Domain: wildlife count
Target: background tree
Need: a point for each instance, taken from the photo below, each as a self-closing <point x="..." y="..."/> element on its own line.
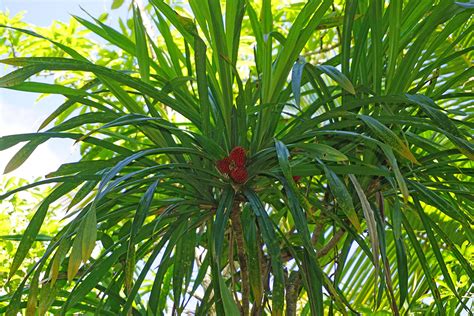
<point x="232" y="165"/>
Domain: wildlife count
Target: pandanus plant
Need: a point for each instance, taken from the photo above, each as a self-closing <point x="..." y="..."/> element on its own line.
<point x="233" y="165"/>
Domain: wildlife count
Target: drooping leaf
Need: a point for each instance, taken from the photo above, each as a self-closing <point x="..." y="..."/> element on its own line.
<point x="388" y="137"/>
<point x="343" y="198"/>
<point x="371" y="223"/>
<point x="18" y="76"/>
<point x="444" y="122"/>
<point x="34" y="226"/>
<point x="296" y="74"/>
<point x="337" y="76"/>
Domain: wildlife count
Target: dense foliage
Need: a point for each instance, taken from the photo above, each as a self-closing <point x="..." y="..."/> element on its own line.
<point x="256" y="158"/>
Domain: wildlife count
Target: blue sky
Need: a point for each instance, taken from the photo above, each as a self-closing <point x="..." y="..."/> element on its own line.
<point x="19" y="111"/>
<point x="43" y="12"/>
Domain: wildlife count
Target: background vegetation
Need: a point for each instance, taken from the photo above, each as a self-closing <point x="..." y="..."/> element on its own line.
<point x="356" y="120"/>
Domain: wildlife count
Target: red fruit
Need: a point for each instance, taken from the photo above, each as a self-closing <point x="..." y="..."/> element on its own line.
<point x="296" y="178"/>
<point x="238" y="156"/>
<point x="223" y="165"/>
<point x="239" y="175"/>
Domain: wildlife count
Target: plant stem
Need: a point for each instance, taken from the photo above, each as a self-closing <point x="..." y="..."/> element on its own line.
<point x="292" y="292"/>
<point x="259" y="300"/>
<point x="244" y="272"/>
<point x="232" y="267"/>
<point x="317" y="230"/>
<point x="331" y="244"/>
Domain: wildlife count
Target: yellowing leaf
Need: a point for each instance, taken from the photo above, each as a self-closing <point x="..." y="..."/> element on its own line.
<point x="89" y="235"/>
<point x="74" y="259"/>
<point x="388" y="137"/>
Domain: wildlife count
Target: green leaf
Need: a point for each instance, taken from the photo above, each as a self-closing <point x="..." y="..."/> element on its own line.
<point x="424" y="264"/>
<point x="254" y="256"/>
<point x="71" y="102"/>
<point x="395" y="16"/>
<point x="47" y="297"/>
<point x="34" y="226"/>
<point x="283" y="159"/>
<point x="437" y="251"/>
<point x="322" y="151"/>
<point x="141" y="277"/>
<point x="302" y="28"/>
<point x="67" y="49"/>
<point x="402" y="260"/>
<point x="466" y="5"/>
<point x="156" y="290"/>
<point x="222" y="216"/>
<point x="342" y="196"/>
<point x="388" y="137"/>
<point x="109" y="34"/>
<point x="313" y="275"/>
<point x="296" y="74"/>
<point x="402" y="270"/>
<point x="75" y="257"/>
<point x="116" y="4"/>
<point x="398" y="175"/>
<point x="89" y="235"/>
<point x="444" y="122"/>
<point x="39" y="237"/>
<point x="376" y="28"/>
<point x="22" y="155"/>
<point x="269" y="237"/>
<point x="97" y="272"/>
<point x="203" y="89"/>
<point x="53" y="63"/>
<point x="337" y="76"/>
<point x="142" y="211"/>
<point x="58" y="258"/>
<point x="18" y="76"/>
<point x="33" y="295"/>
<point x="141" y="45"/>
<point x="371" y="223"/>
<point x="39" y="87"/>
<point x="165" y="127"/>
<point x="453" y="247"/>
<point x="230" y="307"/>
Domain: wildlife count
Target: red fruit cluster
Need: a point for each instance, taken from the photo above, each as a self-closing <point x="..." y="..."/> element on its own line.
<point x="296" y="178"/>
<point x="234" y="165"/>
